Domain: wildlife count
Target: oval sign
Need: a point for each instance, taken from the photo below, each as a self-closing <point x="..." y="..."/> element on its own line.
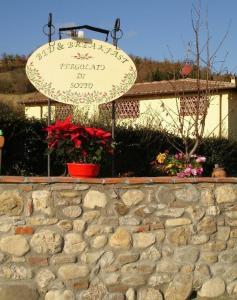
<point x="81" y="71"/>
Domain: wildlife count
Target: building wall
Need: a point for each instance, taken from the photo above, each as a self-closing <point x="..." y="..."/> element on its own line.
<point x="39" y="112"/>
<point x="221" y="119"/>
<point x="76" y="241"/>
<point x="217" y="117"/>
<point x="154" y="115"/>
<point x="232" y="120"/>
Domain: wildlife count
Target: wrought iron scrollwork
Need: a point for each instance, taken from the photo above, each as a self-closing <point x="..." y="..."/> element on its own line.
<point x="116" y="33"/>
<point x="49" y="29"/>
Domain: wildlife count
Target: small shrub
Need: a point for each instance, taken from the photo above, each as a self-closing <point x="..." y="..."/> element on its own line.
<point x="6" y="86"/>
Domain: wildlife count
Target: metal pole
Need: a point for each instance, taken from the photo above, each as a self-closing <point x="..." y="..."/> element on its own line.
<point x="113" y="135"/>
<point x="2" y="140"/>
<point x="48" y="155"/>
<point x="113" y="117"/>
<point x="113" y="113"/>
<point x="49" y="100"/>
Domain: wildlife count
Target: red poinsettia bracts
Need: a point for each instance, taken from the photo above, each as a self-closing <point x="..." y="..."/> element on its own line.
<point x="98" y="132"/>
<point x="78" y="143"/>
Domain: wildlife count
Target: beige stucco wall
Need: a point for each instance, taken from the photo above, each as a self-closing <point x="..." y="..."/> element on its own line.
<point x="39" y="112"/>
<point x="217" y="117"/>
<point x="221" y="118"/>
<point x="153" y="115"/>
<point x="232" y="120"/>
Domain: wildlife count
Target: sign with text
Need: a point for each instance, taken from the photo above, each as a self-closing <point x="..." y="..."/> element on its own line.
<point x="81" y="71"/>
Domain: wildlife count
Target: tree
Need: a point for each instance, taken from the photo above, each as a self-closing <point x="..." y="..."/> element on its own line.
<point x="190" y="126"/>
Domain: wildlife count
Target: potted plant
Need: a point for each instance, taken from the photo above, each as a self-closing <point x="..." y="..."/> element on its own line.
<point x="82" y="147"/>
<point x="179" y="165"/>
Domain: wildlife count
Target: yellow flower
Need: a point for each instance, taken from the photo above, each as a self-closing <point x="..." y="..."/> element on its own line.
<point x="169" y="166"/>
<point x="161" y="158"/>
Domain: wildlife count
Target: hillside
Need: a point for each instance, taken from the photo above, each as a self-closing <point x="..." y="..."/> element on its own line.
<point x="15" y="85"/>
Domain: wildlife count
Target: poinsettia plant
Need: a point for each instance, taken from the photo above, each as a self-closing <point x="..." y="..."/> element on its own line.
<point x="179" y="165"/>
<point x="77" y="143"/>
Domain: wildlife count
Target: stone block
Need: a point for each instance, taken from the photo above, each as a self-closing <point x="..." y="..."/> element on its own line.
<point x="11" y="203"/>
<point x="60" y="259"/>
<point x="60" y="295"/>
<point x="180" y="287"/>
<point x="72" y="271"/>
<point x="188" y="193"/>
<point x="121" y="208"/>
<point x="120" y="239"/>
<point x="37" y="261"/>
<point x="133" y="197"/>
<point x="15" y="245"/>
<point x="149" y="294"/>
<point x="179" y="236"/>
<point x="212" y="288"/>
<point x="140" y="267"/>
<point x="15" y="272"/>
<point x="133" y="280"/>
<point x="41" y="201"/>
<point x="143" y="239"/>
<point x="79" y="225"/>
<point x="95" y="291"/>
<point x="17" y="291"/>
<point x="177" y="222"/>
<point x="43" y="279"/>
<point x="41" y="221"/>
<point x="226" y="193"/>
<point x="170" y="212"/>
<point x="46" y="242"/>
<point x="81" y="284"/>
<point x="95" y="199"/>
<point x="72" y="211"/>
<point x="65" y="225"/>
<point x="186" y="254"/>
<point x="127" y="257"/>
<point x="207" y="225"/>
<point x="91" y="257"/>
<point x="99" y="241"/>
<point x="24" y="230"/>
<point x="151" y="254"/>
<point x="74" y="243"/>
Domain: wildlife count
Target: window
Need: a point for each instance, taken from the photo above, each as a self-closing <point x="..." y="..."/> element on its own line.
<point x="190" y="105"/>
<point x="124" y="109"/>
<point x="63" y="111"/>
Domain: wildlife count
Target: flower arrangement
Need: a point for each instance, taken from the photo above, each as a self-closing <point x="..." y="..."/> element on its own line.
<point x="77" y="143"/>
<point x="178" y="165"/>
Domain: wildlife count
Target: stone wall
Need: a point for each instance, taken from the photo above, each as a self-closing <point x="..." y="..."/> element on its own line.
<point x="86" y="241"/>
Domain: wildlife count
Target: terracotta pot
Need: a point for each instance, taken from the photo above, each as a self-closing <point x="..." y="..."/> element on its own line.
<point x="83" y="170"/>
<point x="218" y="172"/>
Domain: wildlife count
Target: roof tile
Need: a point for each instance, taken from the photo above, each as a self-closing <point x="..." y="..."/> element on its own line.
<point x="164" y="87"/>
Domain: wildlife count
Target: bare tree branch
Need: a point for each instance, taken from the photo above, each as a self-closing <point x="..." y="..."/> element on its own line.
<point x="191" y="126"/>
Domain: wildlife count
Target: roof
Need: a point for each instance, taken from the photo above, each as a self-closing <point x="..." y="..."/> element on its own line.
<point x="168" y="87"/>
<point x="156" y="88"/>
<point x="34" y="99"/>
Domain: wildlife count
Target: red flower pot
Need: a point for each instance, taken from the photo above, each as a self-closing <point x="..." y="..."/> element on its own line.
<point x="83" y="170"/>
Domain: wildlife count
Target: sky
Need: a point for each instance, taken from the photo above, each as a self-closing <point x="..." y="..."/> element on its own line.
<point x="155" y="29"/>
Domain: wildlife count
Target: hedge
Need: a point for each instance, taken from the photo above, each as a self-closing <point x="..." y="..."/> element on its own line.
<point x="24" y="152"/>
